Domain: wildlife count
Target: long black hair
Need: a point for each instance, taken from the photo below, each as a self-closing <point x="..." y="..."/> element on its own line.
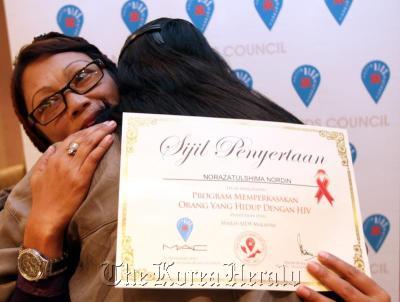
<point x="168" y="67"/>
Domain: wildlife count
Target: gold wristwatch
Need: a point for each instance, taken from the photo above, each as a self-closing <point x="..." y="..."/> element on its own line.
<point x="34" y="267"/>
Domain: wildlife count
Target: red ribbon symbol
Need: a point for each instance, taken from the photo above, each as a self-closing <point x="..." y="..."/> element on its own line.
<point x="323" y="182"/>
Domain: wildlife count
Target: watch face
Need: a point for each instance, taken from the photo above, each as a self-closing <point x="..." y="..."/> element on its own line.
<point x="30" y="265"/>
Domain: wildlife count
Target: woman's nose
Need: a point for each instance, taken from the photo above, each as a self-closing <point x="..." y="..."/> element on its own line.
<point x="76" y="103"/>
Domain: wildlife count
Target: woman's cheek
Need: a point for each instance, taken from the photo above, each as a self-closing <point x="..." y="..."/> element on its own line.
<point x="60" y="132"/>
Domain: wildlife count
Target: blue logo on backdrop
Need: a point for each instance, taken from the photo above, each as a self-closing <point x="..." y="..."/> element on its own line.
<point x="375" y="75"/>
<point x="268" y="10"/>
<point x="70" y="20"/>
<point x="339" y="9"/>
<point x="185" y="227"/>
<point x="376" y="228"/>
<point x="353" y="153"/>
<point x="200" y="12"/>
<point x="134" y="14"/>
<point x="245" y="77"/>
<point x="305" y="80"/>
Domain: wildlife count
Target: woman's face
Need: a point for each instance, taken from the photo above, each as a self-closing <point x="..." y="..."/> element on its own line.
<point x="47" y="75"/>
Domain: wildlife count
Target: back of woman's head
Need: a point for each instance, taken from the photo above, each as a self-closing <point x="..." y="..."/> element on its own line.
<point x="46" y="45"/>
<point x="168" y="67"/>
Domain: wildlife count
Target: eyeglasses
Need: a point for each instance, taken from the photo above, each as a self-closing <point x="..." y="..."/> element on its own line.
<point x="82" y="82"/>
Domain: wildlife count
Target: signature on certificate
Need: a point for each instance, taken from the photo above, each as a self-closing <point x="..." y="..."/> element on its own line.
<point x="303" y="251"/>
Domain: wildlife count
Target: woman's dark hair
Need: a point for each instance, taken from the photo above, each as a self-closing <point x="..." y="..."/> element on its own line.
<point x="46" y="45"/>
<point x="168" y="67"/>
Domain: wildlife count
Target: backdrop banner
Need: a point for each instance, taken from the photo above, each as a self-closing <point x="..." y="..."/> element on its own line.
<point x="332" y="63"/>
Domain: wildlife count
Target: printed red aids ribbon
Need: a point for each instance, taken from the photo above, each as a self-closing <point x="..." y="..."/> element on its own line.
<point x="323" y="182"/>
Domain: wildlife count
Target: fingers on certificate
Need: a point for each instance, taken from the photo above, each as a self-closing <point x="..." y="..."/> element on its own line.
<point x="344" y="279"/>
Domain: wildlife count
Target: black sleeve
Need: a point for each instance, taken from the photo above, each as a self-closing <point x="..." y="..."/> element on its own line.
<point x="52" y="289"/>
<point x="21" y="296"/>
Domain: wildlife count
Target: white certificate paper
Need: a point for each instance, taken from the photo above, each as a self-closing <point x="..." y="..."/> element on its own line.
<point x="225" y="203"/>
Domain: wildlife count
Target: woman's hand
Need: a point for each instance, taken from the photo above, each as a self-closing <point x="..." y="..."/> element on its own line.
<point x="344" y="279"/>
<point x="60" y="183"/>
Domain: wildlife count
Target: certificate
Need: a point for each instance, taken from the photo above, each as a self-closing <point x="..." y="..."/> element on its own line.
<point x="233" y="204"/>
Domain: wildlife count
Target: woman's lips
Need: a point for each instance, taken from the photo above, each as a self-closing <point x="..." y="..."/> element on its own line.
<point x="91" y="119"/>
<point x="90" y="124"/>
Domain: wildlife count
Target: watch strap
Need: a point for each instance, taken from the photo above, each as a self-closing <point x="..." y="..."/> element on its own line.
<point x="57" y="266"/>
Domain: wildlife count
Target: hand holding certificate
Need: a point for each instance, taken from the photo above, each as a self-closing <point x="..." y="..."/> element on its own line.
<point x="220" y="203"/>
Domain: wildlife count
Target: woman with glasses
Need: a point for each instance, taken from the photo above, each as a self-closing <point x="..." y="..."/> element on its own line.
<point x="60" y="86"/>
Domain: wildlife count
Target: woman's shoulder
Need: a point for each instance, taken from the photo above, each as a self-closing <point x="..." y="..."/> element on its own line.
<point x="19" y="201"/>
<point x="108" y="168"/>
<point x="100" y="206"/>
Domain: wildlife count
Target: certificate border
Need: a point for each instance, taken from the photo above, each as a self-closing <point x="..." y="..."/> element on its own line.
<point x="127" y="253"/>
<point x="342" y="150"/>
<point x="131" y="134"/>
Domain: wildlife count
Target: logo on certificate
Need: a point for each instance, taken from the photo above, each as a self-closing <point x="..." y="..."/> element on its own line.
<point x="250" y="248"/>
<point x="185" y="228"/>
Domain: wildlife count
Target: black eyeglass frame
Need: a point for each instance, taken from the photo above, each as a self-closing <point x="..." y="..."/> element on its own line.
<point x="155" y="28"/>
<point x="32" y="119"/>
